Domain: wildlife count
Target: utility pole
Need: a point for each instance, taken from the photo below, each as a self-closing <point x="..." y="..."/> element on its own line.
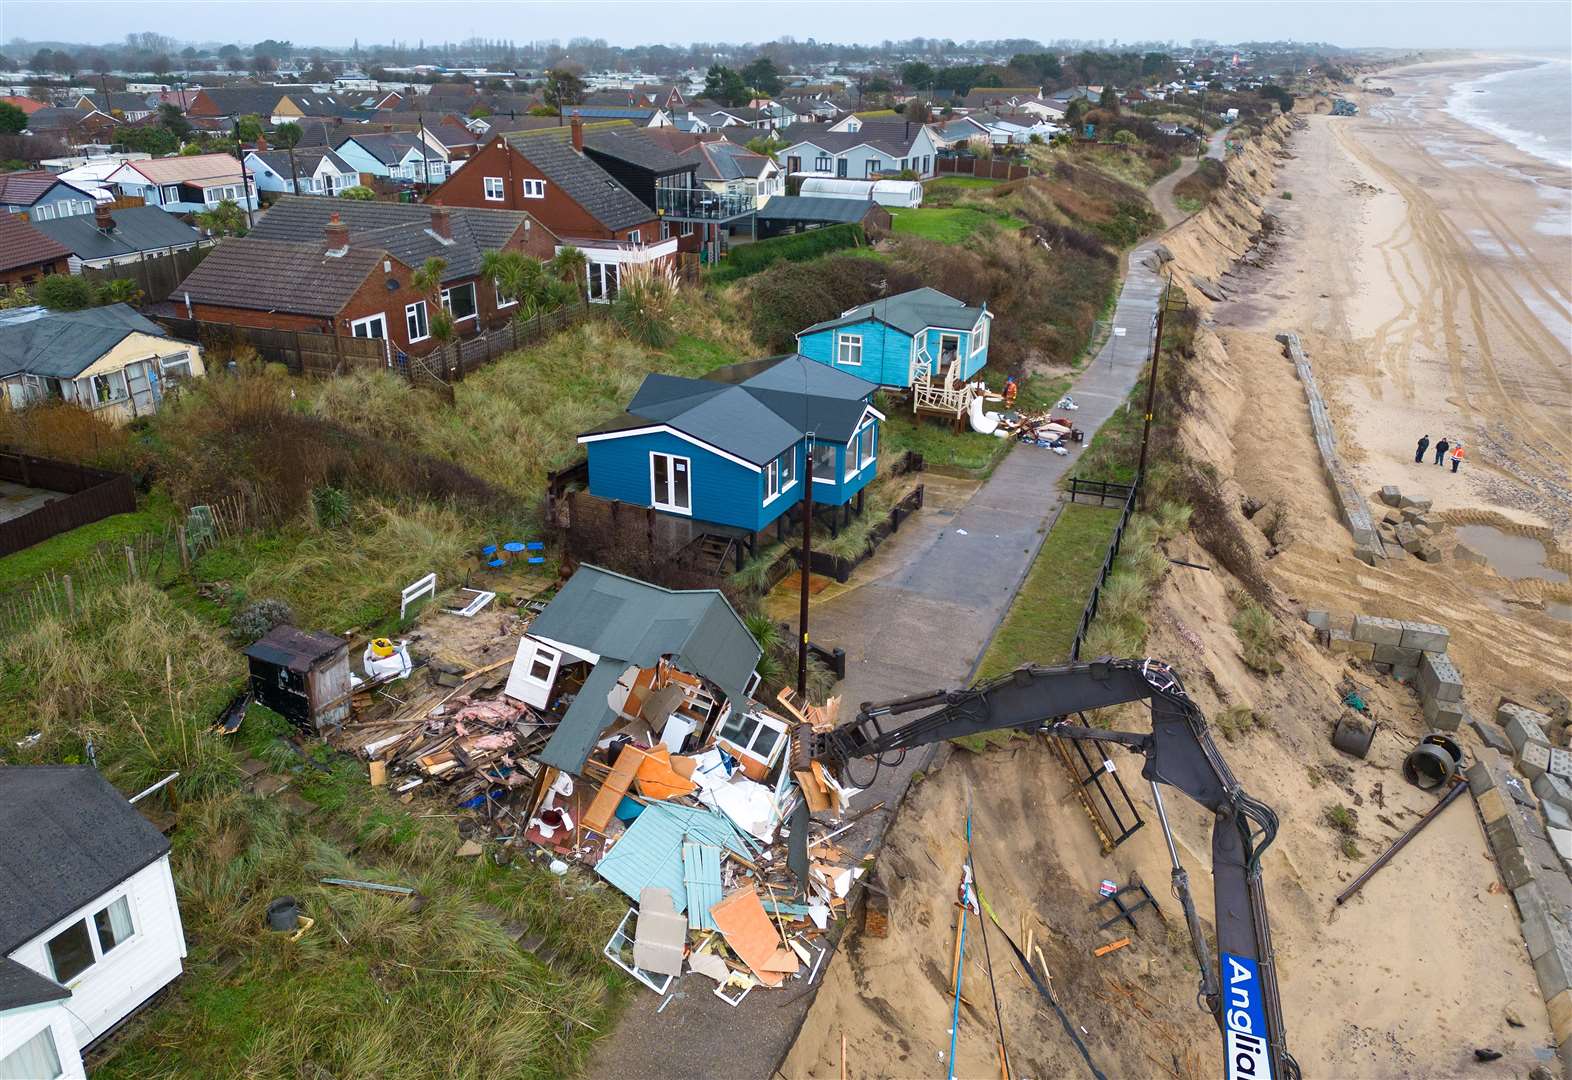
<point x="245" y="178"/>
<point x="807" y="558"/>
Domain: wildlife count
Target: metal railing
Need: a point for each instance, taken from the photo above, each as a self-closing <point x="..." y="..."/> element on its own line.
<point x="1089" y="612"/>
<point x="702" y="204"/>
<point x="1101" y="490"/>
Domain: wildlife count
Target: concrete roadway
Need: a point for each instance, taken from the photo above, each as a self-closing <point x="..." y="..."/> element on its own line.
<point x="934" y="594"/>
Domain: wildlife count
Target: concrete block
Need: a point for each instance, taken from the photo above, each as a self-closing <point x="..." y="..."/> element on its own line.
<point x="1321" y="620"/>
<point x="1492" y="807"/>
<point x="1378" y="631"/>
<point x="1560" y="1008"/>
<point x="1339" y="642"/>
<point x="1535" y="914"/>
<point x="1396" y="655"/>
<point x="1556" y="817"/>
<point x="1506" y="710"/>
<point x="1554" y="968"/>
<point x="1486" y="772"/>
<point x="1561" y="840"/>
<point x="1409" y="502"/>
<point x="1560" y="763"/>
<point x="1391" y="495"/>
<point x="1551" y="788"/>
<point x="1411" y="515"/>
<point x="1439" y="678"/>
<point x="1489" y="735"/>
<point x="1408" y="538"/>
<point x="1442" y="715"/>
<point x="1533" y="759"/>
<point x="1392" y="517"/>
<point x="1513" y="862"/>
<point x="1426" y="637"/>
<point x="1522" y="726"/>
<point x="1428" y="552"/>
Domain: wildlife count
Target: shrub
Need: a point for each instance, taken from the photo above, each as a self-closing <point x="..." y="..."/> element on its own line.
<point x="1257" y="633"/>
<point x="643" y="308"/>
<point x="64" y="292"/>
<point x="359" y="192"/>
<point x="789" y="296"/>
<point x="258" y="617"/>
<point x="331" y="505"/>
<point x="749" y="259"/>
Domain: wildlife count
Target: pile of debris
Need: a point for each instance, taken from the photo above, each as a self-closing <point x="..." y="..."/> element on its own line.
<point x="1045" y="429"/>
<point x="1407" y="525"/>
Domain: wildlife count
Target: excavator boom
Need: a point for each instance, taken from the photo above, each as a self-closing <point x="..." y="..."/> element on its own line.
<point x="1241" y="992"/>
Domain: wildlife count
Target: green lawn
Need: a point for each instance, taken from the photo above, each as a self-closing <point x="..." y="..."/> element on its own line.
<point x="949" y="225"/>
<point x="60" y="553"/>
<point x="959" y="182"/>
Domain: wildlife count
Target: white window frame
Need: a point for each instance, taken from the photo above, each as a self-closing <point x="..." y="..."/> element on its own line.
<point x="115" y="385"/>
<point x="657" y="499"/>
<point x="780" y="476"/>
<point x="823" y="163"/>
<point x="871" y="166"/>
<point x="358" y="324"/>
<point x="489" y="184"/>
<point x="46" y="1047"/>
<point x="867" y="446"/>
<point x="169" y="193"/>
<point x="852" y="468"/>
<point x="760" y="722"/>
<point x="634" y="236"/>
<point x="980" y="337"/>
<point x="534" y="189"/>
<point x="847" y="345"/>
<point x="94" y="941"/>
<point x="502" y="301"/>
<point x="832" y="477"/>
<point x="416" y="314"/>
<point x="447" y="302"/>
<point x="176" y="366"/>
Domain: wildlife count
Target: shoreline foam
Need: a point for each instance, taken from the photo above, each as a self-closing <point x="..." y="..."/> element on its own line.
<point x="1461" y="104"/>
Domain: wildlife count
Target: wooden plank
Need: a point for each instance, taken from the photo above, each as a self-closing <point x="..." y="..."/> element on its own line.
<point x="616" y="785"/>
<point x="1112" y="946"/>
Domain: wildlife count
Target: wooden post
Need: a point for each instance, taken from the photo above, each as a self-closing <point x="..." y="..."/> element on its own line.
<point x="70" y="595"/>
<point x="131" y="561"/>
<point x="338" y="352"/>
<point x="185" y="552"/>
<point x="300" y="359"/>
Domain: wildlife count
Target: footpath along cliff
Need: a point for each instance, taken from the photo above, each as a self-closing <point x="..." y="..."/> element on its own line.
<point x="1365" y="991"/>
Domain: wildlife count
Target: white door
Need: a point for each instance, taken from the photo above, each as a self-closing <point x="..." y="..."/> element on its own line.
<point x="670" y="483"/>
<point x="373" y="326"/>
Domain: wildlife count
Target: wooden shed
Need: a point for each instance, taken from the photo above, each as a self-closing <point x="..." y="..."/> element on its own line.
<point x="301" y="675"/>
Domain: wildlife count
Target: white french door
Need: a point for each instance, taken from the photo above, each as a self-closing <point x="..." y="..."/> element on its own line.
<point x="671" y="483"/>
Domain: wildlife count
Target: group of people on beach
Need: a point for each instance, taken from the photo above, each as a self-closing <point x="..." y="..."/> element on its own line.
<point x="1447" y="449"/>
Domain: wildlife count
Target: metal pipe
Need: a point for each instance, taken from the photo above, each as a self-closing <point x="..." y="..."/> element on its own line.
<point x="143" y="794"/>
<point x="1458" y="787"/>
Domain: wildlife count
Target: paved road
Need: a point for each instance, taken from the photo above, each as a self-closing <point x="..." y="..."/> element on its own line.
<point x="1162" y="192"/>
<point x="933" y="597"/>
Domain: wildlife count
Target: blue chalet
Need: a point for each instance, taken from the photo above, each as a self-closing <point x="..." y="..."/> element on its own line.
<point x="918" y="336"/>
<point x="726" y="451"/>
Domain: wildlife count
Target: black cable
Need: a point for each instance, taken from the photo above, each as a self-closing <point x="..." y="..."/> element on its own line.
<point x="987" y="958"/>
<point x="1069" y="1028"/>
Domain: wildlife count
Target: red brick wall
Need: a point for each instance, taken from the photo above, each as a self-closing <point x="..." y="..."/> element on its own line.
<point x="32" y="273"/>
<point x="556" y="211"/>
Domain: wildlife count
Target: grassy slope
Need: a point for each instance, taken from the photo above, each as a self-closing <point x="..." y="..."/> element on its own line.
<point x="950" y="225"/>
<point x="60" y="553"/>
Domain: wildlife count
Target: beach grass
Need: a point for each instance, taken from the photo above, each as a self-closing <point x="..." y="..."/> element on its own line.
<point x="949" y="225"/>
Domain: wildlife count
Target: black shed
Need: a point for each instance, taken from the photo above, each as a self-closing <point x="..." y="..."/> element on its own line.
<point x="301" y="675"/>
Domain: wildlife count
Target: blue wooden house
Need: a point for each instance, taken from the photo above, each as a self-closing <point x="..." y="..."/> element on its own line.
<point x="728" y="451"/>
<point x="918" y="336"/>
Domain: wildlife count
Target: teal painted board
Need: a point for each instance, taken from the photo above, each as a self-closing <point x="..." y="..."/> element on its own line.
<point x="701" y="875"/>
<point x="720" y="490"/>
<point x="649" y="852"/>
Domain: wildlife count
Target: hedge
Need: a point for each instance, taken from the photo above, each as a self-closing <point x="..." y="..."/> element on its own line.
<point x="746" y="259"/>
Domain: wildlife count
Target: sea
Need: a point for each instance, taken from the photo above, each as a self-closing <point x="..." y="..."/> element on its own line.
<point x="1530" y="107"/>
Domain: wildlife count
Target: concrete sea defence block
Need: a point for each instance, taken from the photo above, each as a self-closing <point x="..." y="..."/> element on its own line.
<point x="1554" y="966"/>
<point x="1427" y="637"/>
<point x="1409" y="502"/>
<point x="1439" y="678"/>
<point x="1522" y="725"/>
<point x="1396" y="655"/>
<point x="1442" y="715"/>
<point x="1391" y="495"/>
<point x="1551" y="788"/>
<point x="1533" y="759"/>
<point x="1560" y="763"/>
<point x="1321" y="620"/>
<point x="1489" y="735"/>
<point x="1339" y="642"/>
<point x="1377" y="630"/>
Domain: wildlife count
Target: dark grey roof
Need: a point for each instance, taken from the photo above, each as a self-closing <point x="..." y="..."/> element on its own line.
<point x="754" y="411"/>
<point x="639" y="150"/>
<point x="630" y="622"/>
<point x="822" y="208"/>
<point x="245" y="100"/>
<point x="909" y="312"/>
<point x="21" y="986"/>
<point x="137" y="228"/>
<point x="119" y="99"/>
<point x="290" y="647"/>
<point x="720" y="159"/>
<point x="401" y="228"/>
<point x="388" y="147"/>
<point x="276" y="275"/>
<point x="307" y="158"/>
<point x="54" y="119"/>
<point x="69" y="838"/>
<point x="62" y="344"/>
<point x="583" y="181"/>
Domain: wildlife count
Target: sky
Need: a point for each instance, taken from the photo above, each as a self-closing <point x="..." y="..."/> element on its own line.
<point x="1468" y="24"/>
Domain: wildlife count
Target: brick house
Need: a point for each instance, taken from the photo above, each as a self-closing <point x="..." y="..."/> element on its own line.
<point x="26" y="254"/>
<point x="576" y="199"/>
<point x="334" y="266"/>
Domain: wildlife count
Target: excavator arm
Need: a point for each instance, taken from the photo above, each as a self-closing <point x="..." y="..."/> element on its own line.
<point x="1241" y="991"/>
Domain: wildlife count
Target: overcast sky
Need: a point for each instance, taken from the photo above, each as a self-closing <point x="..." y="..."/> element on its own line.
<point x="1467" y="24"/>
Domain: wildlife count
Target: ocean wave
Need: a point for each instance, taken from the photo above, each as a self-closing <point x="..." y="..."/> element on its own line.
<point x="1470" y="107"/>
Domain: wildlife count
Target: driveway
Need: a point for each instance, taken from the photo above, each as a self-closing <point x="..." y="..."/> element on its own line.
<point x="931" y="601"/>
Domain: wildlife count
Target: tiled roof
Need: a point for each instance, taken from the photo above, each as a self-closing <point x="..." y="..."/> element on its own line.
<point x="404" y="229"/>
<point x="635" y="149"/>
<point x="63" y="344"/>
<point x="585" y="182"/>
<point x="184" y="170"/>
<point x="274" y="275"/>
<point x="137" y="228"/>
<point x="22" y="244"/>
<point x="57" y="119"/>
<point x="307" y="158"/>
<point x="894" y="138"/>
<point x="245" y="100"/>
<point x="26" y="188"/>
<point x="26" y="104"/>
<point x="388" y="147"/>
<point x="119" y="99"/>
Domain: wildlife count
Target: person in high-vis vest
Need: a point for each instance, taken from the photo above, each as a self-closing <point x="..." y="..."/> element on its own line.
<point x="1457" y="457"/>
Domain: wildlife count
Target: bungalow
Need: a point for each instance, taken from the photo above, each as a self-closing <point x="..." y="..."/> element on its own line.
<point x="120" y="237"/>
<point x="75" y="127"/>
<point x="91" y="927"/>
<point x="42" y="196"/>
<point x="185" y="185"/>
<point x="316" y="171"/>
<point x="340" y="266"/>
<point x="729" y="450"/>
<point x="228" y="102"/>
<point x="27" y="253"/>
<point x="127" y="106"/>
<point x="900" y="339"/>
<point x="1048" y="110"/>
<point x="605" y="642"/>
<point x="877" y="147"/>
<point x="563" y="188"/>
<point x="637" y="116"/>
<point x="109" y="360"/>
<point x="396" y="155"/>
<point x="726" y="168"/>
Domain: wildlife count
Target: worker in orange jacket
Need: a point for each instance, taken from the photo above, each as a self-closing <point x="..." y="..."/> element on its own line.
<point x="1457" y="456"/>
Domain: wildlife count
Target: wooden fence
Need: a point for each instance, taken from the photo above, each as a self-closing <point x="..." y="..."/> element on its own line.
<point x="459" y="358"/>
<point x="90" y="494"/>
<point x="987" y="168"/>
<point x="157" y="275"/>
<point x="301" y="352"/>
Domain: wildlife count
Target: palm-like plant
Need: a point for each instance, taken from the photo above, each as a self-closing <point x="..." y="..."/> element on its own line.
<point x="225" y="219"/>
<point x="571" y="265"/>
